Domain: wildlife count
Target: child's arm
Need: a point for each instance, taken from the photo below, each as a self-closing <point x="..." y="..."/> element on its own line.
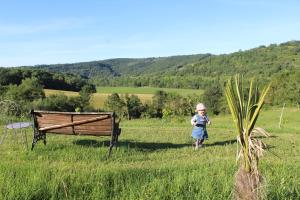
<point x="194" y="120"/>
<point x="207" y="120"/>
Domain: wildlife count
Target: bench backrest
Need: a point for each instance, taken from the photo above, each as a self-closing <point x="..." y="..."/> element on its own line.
<point x="74" y="123"/>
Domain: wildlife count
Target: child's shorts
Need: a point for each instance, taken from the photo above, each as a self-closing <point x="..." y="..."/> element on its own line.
<point x="200" y="133"/>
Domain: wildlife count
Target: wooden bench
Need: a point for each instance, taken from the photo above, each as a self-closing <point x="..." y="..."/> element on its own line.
<point x="75" y="123"/>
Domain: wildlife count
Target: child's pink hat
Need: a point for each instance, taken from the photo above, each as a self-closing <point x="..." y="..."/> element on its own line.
<point x="200" y="106"/>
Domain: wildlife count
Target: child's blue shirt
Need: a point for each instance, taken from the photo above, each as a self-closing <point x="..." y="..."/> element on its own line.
<point x="200" y="119"/>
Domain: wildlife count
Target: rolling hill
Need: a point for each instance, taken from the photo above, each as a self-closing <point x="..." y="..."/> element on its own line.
<point x="124" y="66"/>
<point x="187" y="71"/>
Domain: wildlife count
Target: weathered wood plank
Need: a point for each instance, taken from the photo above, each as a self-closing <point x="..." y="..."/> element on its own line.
<point x="93" y="128"/>
<point x="37" y="112"/>
<point x="95" y="133"/>
<point x="73" y="123"/>
<point x="64" y="131"/>
<point x="43" y="123"/>
<point x="82" y="117"/>
<point x="54" y="116"/>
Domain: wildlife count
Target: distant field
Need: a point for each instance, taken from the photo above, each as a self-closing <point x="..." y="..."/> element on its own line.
<point x="98" y="99"/>
<point x="49" y="92"/>
<point x="144" y="93"/>
<point x="146" y="90"/>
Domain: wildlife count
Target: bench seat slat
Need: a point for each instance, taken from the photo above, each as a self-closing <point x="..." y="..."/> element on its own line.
<point x="82" y="132"/>
<point x="53" y="117"/>
<point x="96" y="133"/>
<point x="41" y="120"/>
<point x="93" y="128"/>
<point x="45" y="123"/>
<point x="83" y="117"/>
<point x="63" y="131"/>
<point x="76" y="126"/>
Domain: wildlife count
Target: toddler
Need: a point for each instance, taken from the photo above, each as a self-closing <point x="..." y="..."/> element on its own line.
<point x="199" y="122"/>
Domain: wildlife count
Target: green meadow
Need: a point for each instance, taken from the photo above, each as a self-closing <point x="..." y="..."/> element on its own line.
<point x="147" y="90"/>
<point x="154" y="160"/>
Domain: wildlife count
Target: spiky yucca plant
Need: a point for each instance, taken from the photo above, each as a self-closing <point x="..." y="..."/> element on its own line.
<point x="245" y="111"/>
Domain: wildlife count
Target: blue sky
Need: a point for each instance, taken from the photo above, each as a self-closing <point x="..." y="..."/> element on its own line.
<point x="64" y="31"/>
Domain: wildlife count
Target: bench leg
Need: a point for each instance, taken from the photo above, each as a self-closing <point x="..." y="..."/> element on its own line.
<point x="110" y="148"/>
<point x="44" y="139"/>
<point x="113" y="142"/>
<point x="38" y="136"/>
<point x="116" y="142"/>
<point x="117" y="137"/>
<point x="34" y="141"/>
<point x="35" y="137"/>
<point x="111" y="145"/>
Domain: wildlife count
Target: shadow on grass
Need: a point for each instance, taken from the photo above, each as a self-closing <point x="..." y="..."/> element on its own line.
<point x="232" y="141"/>
<point x="229" y="142"/>
<point x="220" y="143"/>
<point x="151" y="146"/>
<point x="91" y="143"/>
<point x="142" y="146"/>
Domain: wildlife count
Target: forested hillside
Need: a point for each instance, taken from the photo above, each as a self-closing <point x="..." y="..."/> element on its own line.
<point x="191" y="71"/>
<point x="261" y="61"/>
<point x="124" y="66"/>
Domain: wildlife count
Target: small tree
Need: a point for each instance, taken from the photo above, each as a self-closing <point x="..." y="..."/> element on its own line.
<point x="115" y="103"/>
<point x="25" y="94"/>
<point x="28" y="90"/>
<point x="192" y="100"/>
<point x="134" y="106"/>
<point x="212" y="97"/>
<point x="245" y="113"/>
<point x="85" y="95"/>
<point x="57" y="102"/>
<point x="176" y="105"/>
<point x="158" y="101"/>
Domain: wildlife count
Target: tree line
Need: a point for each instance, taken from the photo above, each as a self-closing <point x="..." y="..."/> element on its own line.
<point x="30" y="95"/>
<point x="49" y="80"/>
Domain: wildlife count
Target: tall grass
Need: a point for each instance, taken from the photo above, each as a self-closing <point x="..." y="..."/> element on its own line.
<point x="154" y="160"/>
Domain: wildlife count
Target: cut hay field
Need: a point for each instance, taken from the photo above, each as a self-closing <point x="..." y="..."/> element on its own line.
<point x="154" y="160"/>
<point x="144" y="93"/>
<point x="98" y="99"/>
<point x="146" y="90"/>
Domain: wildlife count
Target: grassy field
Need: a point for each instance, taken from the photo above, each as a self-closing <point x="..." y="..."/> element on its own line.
<point x="144" y="93"/>
<point x="146" y="90"/>
<point x="154" y="160"/>
<point x="49" y="92"/>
